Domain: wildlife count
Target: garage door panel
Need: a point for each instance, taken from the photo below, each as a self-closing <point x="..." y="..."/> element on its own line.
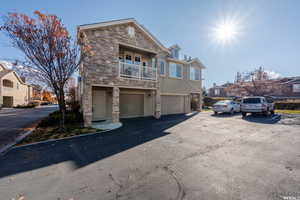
<point x="172" y="104"/>
<point x="131" y="105"/>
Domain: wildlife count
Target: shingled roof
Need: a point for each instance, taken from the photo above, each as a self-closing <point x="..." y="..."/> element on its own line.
<point x="4" y="72"/>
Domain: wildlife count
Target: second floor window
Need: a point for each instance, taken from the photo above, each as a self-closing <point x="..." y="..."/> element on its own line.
<point x="194" y="73"/>
<point x="162" y="68"/>
<point x="296" y="87"/>
<point x="128" y="59"/>
<point x="175" y="70"/>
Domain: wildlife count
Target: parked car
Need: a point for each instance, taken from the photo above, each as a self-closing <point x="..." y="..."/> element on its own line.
<point x="257" y="104"/>
<point x="226" y="106"/>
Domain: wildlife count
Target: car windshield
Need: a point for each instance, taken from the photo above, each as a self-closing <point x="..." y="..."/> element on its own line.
<point x="252" y="100"/>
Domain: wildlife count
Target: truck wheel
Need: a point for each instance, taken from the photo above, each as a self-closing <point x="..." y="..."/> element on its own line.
<point x="244" y="114"/>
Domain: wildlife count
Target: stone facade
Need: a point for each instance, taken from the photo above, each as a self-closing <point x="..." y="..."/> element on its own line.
<point x="102" y="68"/>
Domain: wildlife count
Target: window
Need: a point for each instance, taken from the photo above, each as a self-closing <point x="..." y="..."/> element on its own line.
<point x="194" y="74"/>
<point x="175" y="70"/>
<point x="137" y="60"/>
<point x="296" y="87"/>
<point x="217" y="91"/>
<point x="17" y="85"/>
<point x="175" y="53"/>
<point x="162" y="68"/>
<point x="128" y="59"/>
<point x="252" y="100"/>
<point x="131" y="31"/>
<point x="7" y="83"/>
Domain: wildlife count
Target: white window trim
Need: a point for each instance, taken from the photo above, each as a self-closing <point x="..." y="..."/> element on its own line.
<point x="165" y="67"/>
<point x="171" y="73"/>
<point x="296" y="90"/>
<point x="199" y="73"/>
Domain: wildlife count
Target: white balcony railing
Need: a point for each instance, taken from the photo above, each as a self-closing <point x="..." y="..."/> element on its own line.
<point x="137" y="71"/>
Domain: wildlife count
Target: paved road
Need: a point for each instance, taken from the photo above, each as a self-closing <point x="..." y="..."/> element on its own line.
<point x="179" y="157"/>
<point x="13" y="121"/>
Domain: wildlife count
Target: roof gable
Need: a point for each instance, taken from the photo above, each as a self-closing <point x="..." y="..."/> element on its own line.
<point x="196" y="60"/>
<point x="124" y="21"/>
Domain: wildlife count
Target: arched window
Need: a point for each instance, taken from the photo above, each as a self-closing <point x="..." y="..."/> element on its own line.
<point x="8" y="83"/>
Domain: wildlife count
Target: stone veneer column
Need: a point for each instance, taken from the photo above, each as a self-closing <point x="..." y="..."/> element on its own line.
<point x="157" y="112"/>
<point x="87" y="105"/>
<point x="116" y="105"/>
<point x="200" y="101"/>
<point x="1" y="98"/>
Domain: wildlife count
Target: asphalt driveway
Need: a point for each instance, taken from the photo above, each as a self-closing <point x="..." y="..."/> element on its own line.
<point x="15" y="121"/>
<point x="178" y="157"/>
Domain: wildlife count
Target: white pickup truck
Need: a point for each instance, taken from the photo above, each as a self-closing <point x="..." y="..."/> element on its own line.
<point x="257" y="104"/>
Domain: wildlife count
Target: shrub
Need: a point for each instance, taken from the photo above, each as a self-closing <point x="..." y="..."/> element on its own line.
<point x="73" y="106"/>
<point x="26" y="106"/>
<point x="287" y="106"/>
<point x="53" y="119"/>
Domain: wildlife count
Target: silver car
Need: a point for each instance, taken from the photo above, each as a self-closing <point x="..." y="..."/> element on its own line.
<point x="257" y="104"/>
<point x="226" y="106"/>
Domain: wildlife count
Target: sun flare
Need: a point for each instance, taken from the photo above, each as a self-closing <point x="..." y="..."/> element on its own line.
<point x="226" y="32"/>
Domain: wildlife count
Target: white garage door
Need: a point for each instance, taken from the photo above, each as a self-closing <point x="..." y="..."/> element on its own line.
<point x="171" y="104"/>
<point x="131" y="105"/>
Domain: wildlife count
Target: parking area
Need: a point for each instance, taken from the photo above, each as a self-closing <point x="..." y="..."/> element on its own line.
<point x="197" y="156"/>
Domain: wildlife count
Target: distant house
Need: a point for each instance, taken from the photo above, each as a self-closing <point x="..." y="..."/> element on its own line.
<point x="288" y="87"/>
<point x="13" y="90"/>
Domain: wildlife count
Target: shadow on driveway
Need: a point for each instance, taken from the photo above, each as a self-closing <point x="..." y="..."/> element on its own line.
<point x="256" y="118"/>
<point x="223" y="115"/>
<point x="88" y="149"/>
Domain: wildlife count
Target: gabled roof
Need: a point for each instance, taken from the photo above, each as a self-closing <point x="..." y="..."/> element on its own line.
<point x="6" y="71"/>
<point x="291" y="79"/>
<point x="123" y="21"/>
<point x="2" y="66"/>
<point x="196" y="60"/>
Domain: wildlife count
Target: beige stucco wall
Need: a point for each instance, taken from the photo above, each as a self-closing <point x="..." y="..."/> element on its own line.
<point x="20" y="95"/>
<point x="182" y="86"/>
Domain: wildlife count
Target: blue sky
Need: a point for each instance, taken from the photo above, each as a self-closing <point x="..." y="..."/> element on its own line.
<point x="269" y="30"/>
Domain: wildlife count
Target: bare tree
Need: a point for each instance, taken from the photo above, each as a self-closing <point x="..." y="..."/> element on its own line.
<point x="49" y="51"/>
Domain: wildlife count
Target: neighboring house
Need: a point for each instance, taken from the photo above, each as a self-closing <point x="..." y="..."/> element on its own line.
<point x="217" y="91"/>
<point x="288" y="87"/>
<point x="131" y="74"/>
<point x="13" y="90"/>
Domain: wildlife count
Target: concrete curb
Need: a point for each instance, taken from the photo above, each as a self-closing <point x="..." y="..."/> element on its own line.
<point x="52" y="140"/>
<point x="7" y="147"/>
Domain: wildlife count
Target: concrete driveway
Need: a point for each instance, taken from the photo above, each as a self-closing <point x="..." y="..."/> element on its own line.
<point x="14" y="121"/>
<point x="178" y="157"/>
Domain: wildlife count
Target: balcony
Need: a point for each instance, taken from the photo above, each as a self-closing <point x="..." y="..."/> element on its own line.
<point x="139" y="72"/>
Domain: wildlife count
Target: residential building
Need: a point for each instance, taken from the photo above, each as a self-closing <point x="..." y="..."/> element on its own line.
<point x="131" y="74"/>
<point x="288" y="87"/>
<point x="13" y="90"/>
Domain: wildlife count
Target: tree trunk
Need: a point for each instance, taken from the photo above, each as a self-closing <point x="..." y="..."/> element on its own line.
<point x="62" y="109"/>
